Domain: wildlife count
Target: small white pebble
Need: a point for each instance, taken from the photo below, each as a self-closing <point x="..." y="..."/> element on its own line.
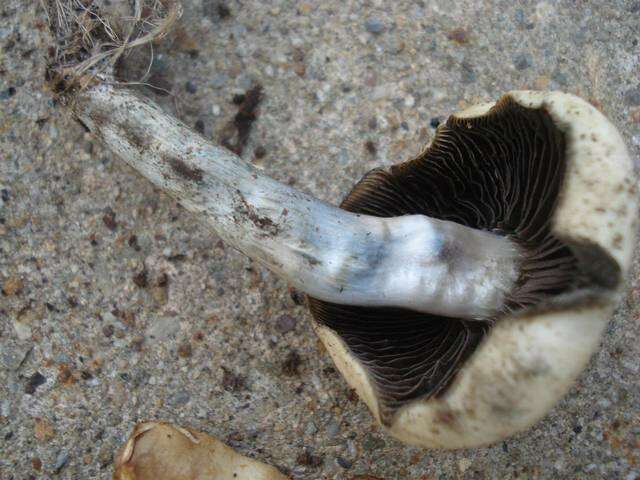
<point x="409" y="101"/>
<point x="23" y="331"/>
<point x="24" y="269"/>
<point x="317" y="384"/>
<point x="464" y="464"/>
<point x="5" y="409"/>
<point x="279" y="58"/>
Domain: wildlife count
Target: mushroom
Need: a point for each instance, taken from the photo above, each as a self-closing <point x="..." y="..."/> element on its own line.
<point x="161" y="451"/>
<point x="551" y="173"/>
<point x="460" y="293"/>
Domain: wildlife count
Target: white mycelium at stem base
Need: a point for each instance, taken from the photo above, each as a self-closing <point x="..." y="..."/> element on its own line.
<point x="411" y="261"/>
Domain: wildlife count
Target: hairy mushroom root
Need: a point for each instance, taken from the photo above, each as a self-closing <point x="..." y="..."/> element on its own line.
<point x="459" y="293"/>
<point x="161" y="451"/>
<point x="549" y="172"/>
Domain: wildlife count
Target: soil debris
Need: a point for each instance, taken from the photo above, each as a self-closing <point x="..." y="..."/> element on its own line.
<point x="109" y="220"/>
<point x="459" y="36"/>
<point x="235" y="134"/>
<point x="34" y="382"/>
<point x="232" y="382"/>
<point x="291" y="364"/>
<point x="140" y="279"/>
<point x="307" y="459"/>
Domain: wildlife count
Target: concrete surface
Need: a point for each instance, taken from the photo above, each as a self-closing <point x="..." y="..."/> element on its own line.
<point x="88" y="346"/>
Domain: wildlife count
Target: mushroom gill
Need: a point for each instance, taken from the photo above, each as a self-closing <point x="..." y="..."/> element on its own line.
<point x="500" y="172"/>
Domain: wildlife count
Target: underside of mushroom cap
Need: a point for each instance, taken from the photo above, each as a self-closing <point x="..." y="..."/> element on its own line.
<point x="524" y="167"/>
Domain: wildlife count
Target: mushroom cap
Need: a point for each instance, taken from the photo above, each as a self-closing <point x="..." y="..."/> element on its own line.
<point x="508" y="373"/>
<point x="160" y="450"/>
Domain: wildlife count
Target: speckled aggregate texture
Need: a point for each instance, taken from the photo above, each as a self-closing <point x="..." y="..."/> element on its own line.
<point x="117" y="307"/>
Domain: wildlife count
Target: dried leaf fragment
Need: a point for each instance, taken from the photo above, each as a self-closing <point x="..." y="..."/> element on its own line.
<point x="161" y="451"/>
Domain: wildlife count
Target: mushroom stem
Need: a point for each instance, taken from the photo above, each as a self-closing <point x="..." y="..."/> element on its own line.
<point x="412" y="261"/>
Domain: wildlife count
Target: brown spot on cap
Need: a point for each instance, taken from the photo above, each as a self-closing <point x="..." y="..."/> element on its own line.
<point x="445" y="417"/>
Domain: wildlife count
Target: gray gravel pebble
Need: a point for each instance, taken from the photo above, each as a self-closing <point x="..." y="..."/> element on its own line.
<point x="344" y="463"/>
<point x="333" y="428"/>
<point x="61" y="461"/>
<point x="285" y="323"/>
<point x="180" y="398"/>
<point x="13" y="355"/>
<point x="164" y="328"/>
<point x="190" y="87"/>
<point x="8" y="93"/>
<point x="371" y="443"/>
<point x="632" y="97"/>
<point x="522" y="61"/>
<point x="374" y="25"/>
<point x="310" y="429"/>
<point x="468" y="75"/>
